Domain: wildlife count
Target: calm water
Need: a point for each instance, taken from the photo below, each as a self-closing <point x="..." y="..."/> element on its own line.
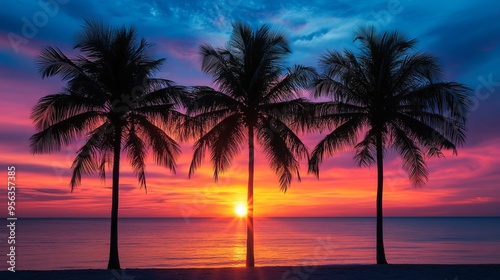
<point x="164" y="243"/>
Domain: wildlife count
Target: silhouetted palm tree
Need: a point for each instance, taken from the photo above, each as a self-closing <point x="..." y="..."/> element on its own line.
<point x="258" y="98"/>
<point x="386" y="97"/>
<point x="111" y="100"/>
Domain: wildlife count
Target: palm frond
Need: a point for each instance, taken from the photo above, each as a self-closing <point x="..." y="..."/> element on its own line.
<point x="85" y="161"/>
<point x="64" y="132"/>
<point x="52" y="61"/>
<point x="433" y="129"/>
<point x="297" y="114"/>
<point x="447" y="98"/>
<point x="328" y="115"/>
<point x="414" y="70"/>
<point x="222" y="65"/>
<point x="340" y="138"/>
<point x="207" y="99"/>
<point x="54" y="108"/>
<point x="106" y="161"/>
<point x="340" y="92"/>
<point x="136" y="150"/>
<point x="413" y="159"/>
<point x="366" y="150"/>
<point x="224" y="141"/>
<point x="283" y="149"/>
<point x="163" y="92"/>
<point x="296" y="78"/>
<point x="96" y="40"/>
<point x="165" y="149"/>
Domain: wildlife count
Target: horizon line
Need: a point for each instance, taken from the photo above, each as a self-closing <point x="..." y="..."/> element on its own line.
<point x="264" y="217"/>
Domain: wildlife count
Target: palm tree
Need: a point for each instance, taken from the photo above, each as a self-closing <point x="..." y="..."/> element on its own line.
<point x="112" y="101"/>
<point x="257" y="97"/>
<point x="384" y="98"/>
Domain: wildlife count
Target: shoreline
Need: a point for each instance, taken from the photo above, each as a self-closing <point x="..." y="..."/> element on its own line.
<point x="336" y="272"/>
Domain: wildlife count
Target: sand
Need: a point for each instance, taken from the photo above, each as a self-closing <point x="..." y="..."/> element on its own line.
<point x="336" y="272"/>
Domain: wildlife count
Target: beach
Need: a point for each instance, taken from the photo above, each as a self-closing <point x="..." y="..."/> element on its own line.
<point x="336" y="272"/>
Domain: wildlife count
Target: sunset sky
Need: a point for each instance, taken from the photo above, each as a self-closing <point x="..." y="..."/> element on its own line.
<point x="464" y="36"/>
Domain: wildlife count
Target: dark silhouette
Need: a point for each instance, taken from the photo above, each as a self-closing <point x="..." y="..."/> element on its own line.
<point x="112" y="101"/>
<point x="391" y="98"/>
<point x="256" y="98"/>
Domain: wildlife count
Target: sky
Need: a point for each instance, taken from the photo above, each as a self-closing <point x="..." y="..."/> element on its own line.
<point x="463" y="35"/>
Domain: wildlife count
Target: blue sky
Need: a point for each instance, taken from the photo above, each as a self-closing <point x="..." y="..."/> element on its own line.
<point x="463" y="35"/>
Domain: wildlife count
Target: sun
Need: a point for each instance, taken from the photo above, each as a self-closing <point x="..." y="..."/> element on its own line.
<point x="241" y="210"/>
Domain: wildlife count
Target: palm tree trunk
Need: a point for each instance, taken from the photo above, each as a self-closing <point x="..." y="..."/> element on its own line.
<point x="380" y="189"/>
<point x="250" y="242"/>
<point x="114" y="261"/>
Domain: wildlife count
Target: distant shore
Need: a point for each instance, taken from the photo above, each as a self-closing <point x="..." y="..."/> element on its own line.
<point x="335" y="272"/>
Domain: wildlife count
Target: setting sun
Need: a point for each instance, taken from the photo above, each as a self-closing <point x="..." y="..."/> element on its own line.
<point x="241" y="210"/>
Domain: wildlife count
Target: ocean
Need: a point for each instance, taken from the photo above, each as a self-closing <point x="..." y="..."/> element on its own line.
<point x="47" y="244"/>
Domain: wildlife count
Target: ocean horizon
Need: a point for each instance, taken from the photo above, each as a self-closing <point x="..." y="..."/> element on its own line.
<point x="83" y="243"/>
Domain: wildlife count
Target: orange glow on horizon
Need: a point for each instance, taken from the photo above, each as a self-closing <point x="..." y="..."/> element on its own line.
<point x="461" y="185"/>
<point x="464" y="185"/>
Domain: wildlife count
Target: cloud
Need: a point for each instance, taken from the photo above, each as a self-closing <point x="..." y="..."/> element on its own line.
<point x="461" y="185"/>
<point x="478" y="45"/>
